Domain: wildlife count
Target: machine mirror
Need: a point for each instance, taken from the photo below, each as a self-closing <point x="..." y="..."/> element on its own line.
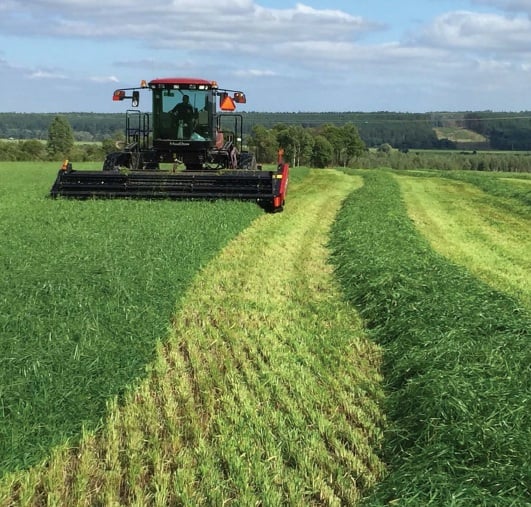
<point x="239" y="98"/>
<point x="135" y="99"/>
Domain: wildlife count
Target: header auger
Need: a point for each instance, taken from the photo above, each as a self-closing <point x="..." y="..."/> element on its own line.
<point x="201" y="143"/>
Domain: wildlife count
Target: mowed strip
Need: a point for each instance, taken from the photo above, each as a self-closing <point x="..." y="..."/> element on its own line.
<point x="265" y="392"/>
<point x="466" y="225"/>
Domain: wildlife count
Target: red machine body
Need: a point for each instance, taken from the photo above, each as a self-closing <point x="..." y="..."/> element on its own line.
<point x="192" y="128"/>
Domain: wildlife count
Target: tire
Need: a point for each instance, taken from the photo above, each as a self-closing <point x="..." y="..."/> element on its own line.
<point x="247" y="162"/>
<point x="113" y="161"/>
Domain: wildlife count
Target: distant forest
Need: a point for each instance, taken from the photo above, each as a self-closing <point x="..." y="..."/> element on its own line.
<point x="404" y="131"/>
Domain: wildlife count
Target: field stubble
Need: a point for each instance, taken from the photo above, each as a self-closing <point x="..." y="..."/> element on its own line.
<point x="265" y="392"/>
<point x="87" y="288"/>
<point x="469" y="226"/>
<point x="455" y="357"/>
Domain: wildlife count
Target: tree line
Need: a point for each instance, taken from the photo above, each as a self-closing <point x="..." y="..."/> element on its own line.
<point x="404" y="131"/>
<point x="343" y="146"/>
<point x="505" y="132"/>
<point x="86" y="126"/>
<point x="60" y="143"/>
<point x="319" y="147"/>
<point x="316" y="146"/>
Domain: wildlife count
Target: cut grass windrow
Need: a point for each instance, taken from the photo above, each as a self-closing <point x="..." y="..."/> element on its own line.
<point x="513" y="186"/>
<point x="456" y="360"/>
<point x="468" y="226"/>
<point x="87" y="289"/>
<point x="266" y="392"/>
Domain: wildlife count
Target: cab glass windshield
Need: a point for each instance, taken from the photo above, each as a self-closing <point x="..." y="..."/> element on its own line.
<point x="182" y="114"/>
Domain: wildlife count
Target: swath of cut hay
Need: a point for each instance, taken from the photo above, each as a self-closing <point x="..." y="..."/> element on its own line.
<point x="266" y="388"/>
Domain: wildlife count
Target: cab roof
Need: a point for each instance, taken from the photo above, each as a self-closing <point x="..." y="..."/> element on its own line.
<point x="180" y="81"/>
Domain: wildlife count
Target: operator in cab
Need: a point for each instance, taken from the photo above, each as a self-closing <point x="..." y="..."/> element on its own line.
<point x="185" y="114"/>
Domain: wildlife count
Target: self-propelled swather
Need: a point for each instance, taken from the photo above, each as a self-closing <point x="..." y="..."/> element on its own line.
<point x="189" y="146"/>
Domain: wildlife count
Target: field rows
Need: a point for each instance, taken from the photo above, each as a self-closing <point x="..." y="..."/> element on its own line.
<point x="205" y="355"/>
<point x="266" y="391"/>
<point x="456" y="356"/>
<point x="469" y="226"/>
<point x="87" y="289"/>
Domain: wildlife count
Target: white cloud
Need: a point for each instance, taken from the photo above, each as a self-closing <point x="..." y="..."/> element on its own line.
<point x="508" y="5"/>
<point x="290" y="53"/>
<point x="104" y="79"/>
<point x="478" y="32"/>
<point x="183" y="23"/>
<point x="255" y="73"/>
<point x="43" y="74"/>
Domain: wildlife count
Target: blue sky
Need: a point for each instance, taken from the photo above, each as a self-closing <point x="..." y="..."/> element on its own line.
<point x="310" y="55"/>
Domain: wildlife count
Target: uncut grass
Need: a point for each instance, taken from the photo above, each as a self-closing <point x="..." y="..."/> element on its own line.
<point x="266" y="392"/>
<point x="468" y="226"/>
<point x="514" y="188"/>
<point x="87" y="289"/>
<point x="456" y="360"/>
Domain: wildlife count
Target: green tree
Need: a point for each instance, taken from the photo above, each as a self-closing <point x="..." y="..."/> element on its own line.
<point x="346" y="142"/>
<point x="94" y="152"/>
<point x="353" y="146"/>
<point x="334" y="137"/>
<point x="322" y="153"/>
<point x="264" y="143"/>
<point x="31" y="149"/>
<point x="297" y="143"/>
<point x="8" y="150"/>
<point x="60" y="138"/>
<point x="307" y="141"/>
<point x="385" y="148"/>
<point x="113" y="143"/>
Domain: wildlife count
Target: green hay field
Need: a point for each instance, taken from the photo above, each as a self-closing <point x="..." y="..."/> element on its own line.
<point x="266" y="390"/>
<point x="87" y="289"/>
<point x="472" y="227"/>
<point x="369" y="345"/>
<point x="456" y="349"/>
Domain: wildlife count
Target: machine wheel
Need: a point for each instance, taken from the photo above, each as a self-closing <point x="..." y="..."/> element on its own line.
<point x="113" y="161"/>
<point x="248" y="162"/>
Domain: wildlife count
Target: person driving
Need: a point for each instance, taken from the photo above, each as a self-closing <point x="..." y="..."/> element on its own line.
<point x="185" y="113"/>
